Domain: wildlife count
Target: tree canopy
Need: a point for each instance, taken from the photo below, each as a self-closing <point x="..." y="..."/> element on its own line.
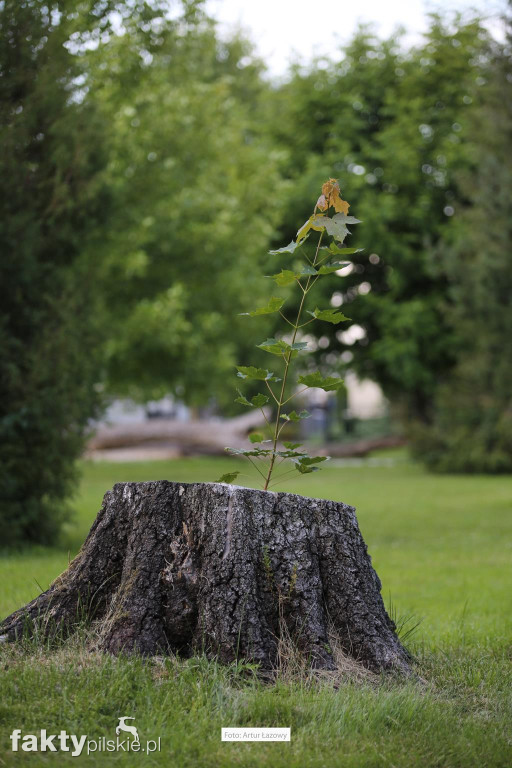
<point x="193" y="179"/>
<point x="393" y="125"/>
<point x="54" y="204"/>
<point x="147" y="164"/>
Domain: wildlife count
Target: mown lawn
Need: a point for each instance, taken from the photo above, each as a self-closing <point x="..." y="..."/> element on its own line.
<point x="442" y="546"/>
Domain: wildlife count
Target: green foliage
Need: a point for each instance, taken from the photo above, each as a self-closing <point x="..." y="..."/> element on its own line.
<point x="290" y="248"/>
<point x="294" y="416"/>
<point x="328" y="315"/>
<point x="327" y="383"/>
<point x="53" y="202"/>
<point x="258" y="374"/>
<point x="334" y="266"/>
<point x="337" y="251"/>
<point x="192" y="175"/>
<point x="145" y="173"/>
<point x="305" y="275"/>
<point x="282" y="348"/>
<point x="306" y="464"/>
<point x="471" y="425"/>
<point x="259" y="400"/>
<point x="256" y="402"/>
<point x="394" y="125"/>
<point x="274" y="305"/>
<point x="285" y="277"/>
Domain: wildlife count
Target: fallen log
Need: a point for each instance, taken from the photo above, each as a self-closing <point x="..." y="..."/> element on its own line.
<point x="196" y="436"/>
<point x="361" y="448"/>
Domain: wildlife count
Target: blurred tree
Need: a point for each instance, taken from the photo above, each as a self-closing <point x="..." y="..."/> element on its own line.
<point x="53" y="202"/>
<point x="472" y="424"/>
<point x="196" y="204"/>
<point x="392" y="125"/>
<point x="136" y="192"/>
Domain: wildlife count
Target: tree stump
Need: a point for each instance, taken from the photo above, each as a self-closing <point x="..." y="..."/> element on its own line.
<point x="176" y="567"/>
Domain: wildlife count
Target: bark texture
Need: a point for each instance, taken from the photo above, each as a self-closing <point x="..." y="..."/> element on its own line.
<point x="179" y="567"/>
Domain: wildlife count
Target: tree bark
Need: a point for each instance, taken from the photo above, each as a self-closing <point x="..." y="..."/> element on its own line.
<point x="180" y="567"/>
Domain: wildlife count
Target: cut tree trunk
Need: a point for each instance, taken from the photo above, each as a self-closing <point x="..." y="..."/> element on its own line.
<point x="176" y="567"/>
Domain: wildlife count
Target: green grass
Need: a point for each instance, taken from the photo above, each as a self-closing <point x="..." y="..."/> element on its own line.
<point x="442" y="546"/>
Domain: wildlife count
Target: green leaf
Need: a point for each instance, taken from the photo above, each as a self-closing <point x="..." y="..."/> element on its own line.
<point x="308" y="460"/>
<point x="337" y="251"/>
<point x="329" y="315"/>
<point x="306" y="464"/>
<point x="318" y="221"/>
<point x="288" y="276"/>
<point x="289" y="454"/>
<point x="305" y="470"/>
<point x="285" y="277"/>
<point x="259" y="400"/>
<point x="253" y="452"/>
<point x="294" y="416"/>
<point x="259" y="374"/>
<point x="274" y="305"/>
<point x="290" y="248"/>
<point x="243" y="400"/>
<point x="274" y="346"/>
<point x="350" y="219"/>
<point x="327" y="269"/>
<point x="335" y="227"/>
<point x="256" y="437"/>
<point x="299" y="346"/>
<point x="229" y="477"/>
<point x="328" y="384"/>
<point x="280" y="347"/>
<point x="292" y="446"/>
<point x="307" y="270"/>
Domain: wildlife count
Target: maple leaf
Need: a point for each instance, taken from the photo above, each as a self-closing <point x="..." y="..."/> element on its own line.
<point x="341" y="206"/>
<point x="331" y="193"/>
<point x="331" y="186"/>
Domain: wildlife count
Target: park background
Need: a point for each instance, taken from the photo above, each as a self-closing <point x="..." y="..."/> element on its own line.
<point x="149" y="162"/>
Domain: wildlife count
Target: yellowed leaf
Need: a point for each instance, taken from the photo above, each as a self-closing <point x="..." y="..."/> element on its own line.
<point x="331" y="193"/>
<point x="321" y="203"/>
<point x="303" y="231"/>
<point x="341" y="206"/>
<point x="329" y="188"/>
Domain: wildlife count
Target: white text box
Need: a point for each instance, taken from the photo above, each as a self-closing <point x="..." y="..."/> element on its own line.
<point x="264" y="735"/>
